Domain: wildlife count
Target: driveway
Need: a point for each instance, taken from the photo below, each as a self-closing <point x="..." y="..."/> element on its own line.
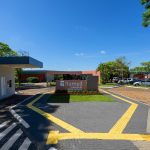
<point x="122" y="124"/>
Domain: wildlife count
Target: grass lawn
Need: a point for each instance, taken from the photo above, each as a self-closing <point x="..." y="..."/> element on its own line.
<point x="57" y="98"/>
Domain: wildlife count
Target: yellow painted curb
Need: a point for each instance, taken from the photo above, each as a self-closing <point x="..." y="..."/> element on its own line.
<point x="50" y="117"/>
<point x="53" y="137"/>
<point x="96" y="136"/>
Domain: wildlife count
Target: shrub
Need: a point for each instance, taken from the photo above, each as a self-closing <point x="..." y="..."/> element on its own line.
<point x="52" y="83"/>
<point x="33" y="79"/>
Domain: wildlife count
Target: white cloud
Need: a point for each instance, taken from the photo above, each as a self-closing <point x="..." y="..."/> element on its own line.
<point x="79" y="54"/>
<point x="102" y="52"/>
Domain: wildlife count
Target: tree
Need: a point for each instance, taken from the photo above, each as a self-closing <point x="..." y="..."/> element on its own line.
<point x="5" y="50"/>
<point x="146" y="14"/>
<point x="104" y="68"/>
<point x="116" y="68"/>
<point x="137" y="70"/>
<point x="122" y="67"/>
<point x="146" y="66"/>
<point x="18" y="72"/>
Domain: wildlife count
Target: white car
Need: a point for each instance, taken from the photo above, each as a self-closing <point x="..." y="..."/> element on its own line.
<point x="139" y="83"/>
<point x="115" y="79"/>
<point x="123" y="81"/>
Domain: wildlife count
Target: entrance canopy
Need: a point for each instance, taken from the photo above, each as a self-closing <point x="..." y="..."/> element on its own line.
<point x="20" y="62"/>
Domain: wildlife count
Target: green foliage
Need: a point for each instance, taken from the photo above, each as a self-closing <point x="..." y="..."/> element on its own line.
<point x="105" y="70"/>
<point x="137" y="69"/>
<point x="58" y="77"/>
<point x="146" y="14"/>
<point x="91" y="98"/>
<point x="18" y="72"/>
<point x="145" y="67"/>
<point x="66" y="98"/>
<point x="117" y="68"/>
<point x="33" y="79"/>
<point x="52" y="83"/>
<point x="5" y="50"/>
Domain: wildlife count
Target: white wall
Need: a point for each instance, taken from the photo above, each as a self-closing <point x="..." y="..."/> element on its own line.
<point x="7" y="73"/>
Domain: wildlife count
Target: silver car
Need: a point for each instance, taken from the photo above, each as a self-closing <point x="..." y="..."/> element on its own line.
<point x="139" y="83"/>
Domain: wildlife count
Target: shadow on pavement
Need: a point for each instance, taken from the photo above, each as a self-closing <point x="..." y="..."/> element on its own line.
<point x="12" y="100"/>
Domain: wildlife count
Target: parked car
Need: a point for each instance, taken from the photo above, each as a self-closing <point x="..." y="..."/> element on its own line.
<point x="127" y="81"/>
<point x="123" y="81"/>
<point x="144" y="82"/>
<point x="115" y="79"/>
<point x="132" y="80"/>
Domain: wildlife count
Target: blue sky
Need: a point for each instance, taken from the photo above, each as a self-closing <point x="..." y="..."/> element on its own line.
<point x="75" y="34"/>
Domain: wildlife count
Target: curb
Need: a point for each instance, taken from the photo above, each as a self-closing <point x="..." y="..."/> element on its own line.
<point x="138" y="87"/>
<point x="131" y="98"/>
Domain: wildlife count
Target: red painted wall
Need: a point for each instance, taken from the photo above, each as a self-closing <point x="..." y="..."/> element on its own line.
<point x="141" y="76"/>
<point x="40" y="76"/>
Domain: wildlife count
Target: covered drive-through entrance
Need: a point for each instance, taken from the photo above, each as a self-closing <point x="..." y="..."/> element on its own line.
<point x="7" y="72"/>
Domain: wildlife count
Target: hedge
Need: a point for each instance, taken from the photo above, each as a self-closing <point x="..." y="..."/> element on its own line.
<point x="33" y="79"/>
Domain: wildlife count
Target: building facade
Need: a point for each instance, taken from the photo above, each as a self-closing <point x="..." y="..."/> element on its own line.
<point x="7" y="81"/>
<point x="48" y="75"/>
<point x="7" y="72"/>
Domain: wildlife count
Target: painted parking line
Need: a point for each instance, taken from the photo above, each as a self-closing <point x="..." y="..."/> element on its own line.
<point x="52" y="148"/>
<point x="12" y="140"/>
<point x="4" y="124"/>
<point x="6" y="131"/>
<point x="121" y="124"/>
<point x="114" y="134"/>
<point x="7" y="144"/>
<point x="26" y="99"/>
<point x="25" y="145"/>
<point x="123" y="121"/>
<point x="50" y="117"/>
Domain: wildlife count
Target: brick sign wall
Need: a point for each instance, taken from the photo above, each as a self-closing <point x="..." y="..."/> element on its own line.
<point x="71" y="85"/>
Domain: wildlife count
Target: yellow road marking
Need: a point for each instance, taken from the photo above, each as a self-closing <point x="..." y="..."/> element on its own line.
<point x="54" y="137"/>
<point x="125" y="118"/>
<point x="123" y="121"/>
<point x="35" y="100"/>
<point x="50" y="117"/>
<point x="114" y="134"/>
<point x="125" y="100"/>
